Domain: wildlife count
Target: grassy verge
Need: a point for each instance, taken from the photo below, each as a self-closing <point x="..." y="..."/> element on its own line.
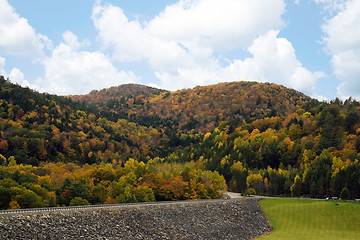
<point x="309" y="219"/>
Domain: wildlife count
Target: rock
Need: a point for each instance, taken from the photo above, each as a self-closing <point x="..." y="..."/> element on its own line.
<point x="222" y="219"/>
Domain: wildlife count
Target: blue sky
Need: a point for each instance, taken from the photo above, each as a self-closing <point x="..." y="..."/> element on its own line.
<point x="72" y="47"/>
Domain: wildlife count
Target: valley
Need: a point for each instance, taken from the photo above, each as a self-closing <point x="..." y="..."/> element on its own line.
<point x="134" y="143"/>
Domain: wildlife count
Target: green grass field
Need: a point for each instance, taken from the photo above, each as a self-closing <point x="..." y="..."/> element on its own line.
<point x="309" y="219"/>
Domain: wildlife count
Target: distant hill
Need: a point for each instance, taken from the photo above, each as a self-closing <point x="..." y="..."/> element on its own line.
<point x="42" y="127"/>
<point x="134" y="143"/>
<point x="200" y="108"/>
<point x="122" y="91"/>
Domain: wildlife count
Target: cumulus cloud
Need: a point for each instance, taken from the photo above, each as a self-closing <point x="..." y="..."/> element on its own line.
<point x="343" y="43"/>
<point x="186" y="32"/>
<point x="184" y="43"/>
<point x="274" y="60"/>
<point x="17" y="36"/>
<point x="331" y="5"/>
<point x="190" y="77"/>
<point x="72" y="71"/>
<point x="2" y="66"/>
<point x="131" y="42"/>
<point x="15" y="75"/>
<point x="219" y="25"/>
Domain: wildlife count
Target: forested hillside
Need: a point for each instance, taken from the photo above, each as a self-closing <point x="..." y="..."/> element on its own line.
<point x="53" y="151"/>
<point x="199" y="109"/>
<point x="312" y="152"/>
<point x="39" y="127"/>
<point x="122" y="92"/>
<point x="134" y="143"/>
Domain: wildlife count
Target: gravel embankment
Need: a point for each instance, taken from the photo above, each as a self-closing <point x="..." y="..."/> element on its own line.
<point x="223" y="219"/>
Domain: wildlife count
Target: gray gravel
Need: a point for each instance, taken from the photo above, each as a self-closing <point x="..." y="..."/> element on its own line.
<point x="223" y="219"/>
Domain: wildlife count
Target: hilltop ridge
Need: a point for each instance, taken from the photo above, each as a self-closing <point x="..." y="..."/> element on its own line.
<point x="130" y="90"/>
<point x="146" y="144"/>
<point x="200" y="108"/>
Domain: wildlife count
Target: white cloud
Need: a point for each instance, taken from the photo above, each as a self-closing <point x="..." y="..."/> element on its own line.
<point x="72" y="71"/>
<point x="131" y="42"/>
<point x="343" y="43"/>
<point x="273" y="60"/>
<point x="2" y="66"/>
<point x="320" y="98"/>
<point x="15" y="75"/>
<point x="17" y="36"/>
<point x="73" y="42"/>
<point x="116" y="31"/>
<point x="332" y="5"/>
<point x="184" y="43"/>
<point x="219" y="25"/>
<point x="190" y="77"/>
<point x="186" y="33"/>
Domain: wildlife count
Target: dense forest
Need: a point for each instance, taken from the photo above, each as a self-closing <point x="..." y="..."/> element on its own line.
<point x="134" y="143"/>
<point x="200" y="109"/>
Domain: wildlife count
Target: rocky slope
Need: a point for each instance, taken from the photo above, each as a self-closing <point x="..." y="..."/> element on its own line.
<point x="223" y="219"/>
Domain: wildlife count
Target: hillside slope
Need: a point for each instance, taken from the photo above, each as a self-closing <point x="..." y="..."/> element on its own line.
<point x="124" y="91"/>
<point x="200" y="108"/>
<point x="46" y="128"/>
<point x="189" y="144"/>
<point x="55" y="152"/>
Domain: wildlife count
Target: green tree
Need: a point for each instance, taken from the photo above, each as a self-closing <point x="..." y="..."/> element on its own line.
<point x="29" y="199"/>
<point x="270" y="154"/>
<point x="100" y="194"/>
<point x="331" y="125"/>
<point x="352" y="118"/>
<point x="345" y="195"/>
<point x="239" y="175"/>
<point x="144" y="194"/>
<point x="127" y="196"/>
<point x="256" y="182"/>
<point x="318" y="175"/>
<point x="78" y="201"/>
<point x="5" y="197"/>
<point x="296" y="188"/>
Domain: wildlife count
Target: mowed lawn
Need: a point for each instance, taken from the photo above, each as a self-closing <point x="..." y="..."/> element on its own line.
<point x="310" y="219"/>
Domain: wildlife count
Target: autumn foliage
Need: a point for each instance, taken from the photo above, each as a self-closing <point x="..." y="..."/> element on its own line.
<point x="136" y="144"/>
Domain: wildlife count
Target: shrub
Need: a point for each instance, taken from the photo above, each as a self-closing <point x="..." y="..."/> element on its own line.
<point x="78" y="201"/>
<point x="345" y="194"/>
<point x="250" y="191"/>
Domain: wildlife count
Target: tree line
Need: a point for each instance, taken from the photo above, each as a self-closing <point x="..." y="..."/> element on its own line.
<point x="313" y="152"/>
<point x="57" y="152"/>
<point x="68" y="184"/>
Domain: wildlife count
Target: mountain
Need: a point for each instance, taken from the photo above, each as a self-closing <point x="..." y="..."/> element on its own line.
<point x="200" y="108"/>
<point x="123" y="91"/>
<point x="57" y="152"/>
<point x="135" y="143"/>
<point x="41" y="128"/>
